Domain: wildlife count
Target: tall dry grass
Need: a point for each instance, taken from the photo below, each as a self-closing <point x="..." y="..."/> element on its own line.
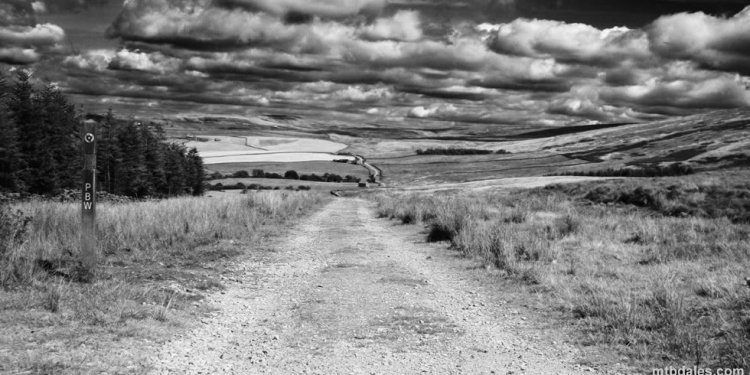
<point x="157" y="260"/>
<point x="146" y="229"/>
<point x="657" y="289"/>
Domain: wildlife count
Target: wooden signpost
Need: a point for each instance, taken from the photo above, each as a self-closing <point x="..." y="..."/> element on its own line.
<point x="88" y="252"/>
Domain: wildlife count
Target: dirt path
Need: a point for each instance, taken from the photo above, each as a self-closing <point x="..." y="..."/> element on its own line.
<point x="346" y="293"/>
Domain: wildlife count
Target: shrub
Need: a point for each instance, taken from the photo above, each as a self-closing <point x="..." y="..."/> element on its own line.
<point x="215" y="176"/>
<point x="241" y="174"/>
<point x="292" y="175"/>
<point x="273" y="175"/>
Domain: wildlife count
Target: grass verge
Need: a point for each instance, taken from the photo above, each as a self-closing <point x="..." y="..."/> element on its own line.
<point x="159" y="259"/>
<point x="655" y="288"/>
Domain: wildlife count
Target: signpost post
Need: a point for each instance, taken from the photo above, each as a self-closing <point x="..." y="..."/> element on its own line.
<point x="88" y="252"/>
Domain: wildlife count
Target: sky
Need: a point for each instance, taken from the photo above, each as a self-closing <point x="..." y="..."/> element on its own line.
<point x="494" y="62"/>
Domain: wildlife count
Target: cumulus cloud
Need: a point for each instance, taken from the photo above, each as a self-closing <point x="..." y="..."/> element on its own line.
<point x="591" y="109"/>
<point x="96" y="60"/>
<point x="568" y="42"/>
<point x="404" y="26"/>
<point x="124" y="59"/>
<point x="39" y="35"/>
<point x="359" y="93"/>
<point x="18" y="56"/>
<point x="714" y="42"/>
<point x="39" y="7"/>
<point x="658" y="95"/>
<point x="146" y="62"/>
<point x="25" y="44"/>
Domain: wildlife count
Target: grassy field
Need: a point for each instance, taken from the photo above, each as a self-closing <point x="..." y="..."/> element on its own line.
<point x="655" y="287"/>
<point x="158" y="260"/>
<point x="458" y="168"/>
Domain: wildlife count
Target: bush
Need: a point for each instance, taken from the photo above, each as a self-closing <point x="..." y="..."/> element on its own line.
<point x="273" y="175"/>
<point x="215" y="176"/>
<point x="241" y="174"/>
<point x="291" y="175"/>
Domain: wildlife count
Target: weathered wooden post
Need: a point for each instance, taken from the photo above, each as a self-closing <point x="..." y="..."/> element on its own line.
<point x="88" y="252"/>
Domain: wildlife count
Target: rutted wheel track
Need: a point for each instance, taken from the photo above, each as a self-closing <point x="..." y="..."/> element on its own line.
<point x="347" y="293"/>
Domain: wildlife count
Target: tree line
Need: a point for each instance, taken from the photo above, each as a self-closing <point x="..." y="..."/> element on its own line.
<point x="40" y="148"/>
<point x="289" y="175"/>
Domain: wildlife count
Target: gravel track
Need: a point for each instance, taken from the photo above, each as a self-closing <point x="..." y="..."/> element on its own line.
<point x="346" y="293"/>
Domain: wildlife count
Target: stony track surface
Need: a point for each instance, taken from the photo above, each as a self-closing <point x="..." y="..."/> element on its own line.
<point x="347" y="293"/>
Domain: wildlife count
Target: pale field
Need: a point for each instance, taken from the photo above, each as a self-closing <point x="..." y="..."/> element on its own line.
<point x="267" y="157"/>
<point x="229" y="144"/>
<point x="236" y="149"/>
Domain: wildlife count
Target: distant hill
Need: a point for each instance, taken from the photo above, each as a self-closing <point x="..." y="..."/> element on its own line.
<point x="714" y="139"/>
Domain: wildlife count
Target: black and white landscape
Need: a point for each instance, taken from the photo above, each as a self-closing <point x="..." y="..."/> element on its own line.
<point x="375" y="186"/>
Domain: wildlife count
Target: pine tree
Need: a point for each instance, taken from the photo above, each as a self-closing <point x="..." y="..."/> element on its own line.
<point x="131" y="169"/>
<point x="156" y="182"/>
<point x="175" y="168"/>
<point x="107" y="152"/>
<point x="9" y="158"/>
<point x="197" y="173"/>
<point x="22" y="113"/>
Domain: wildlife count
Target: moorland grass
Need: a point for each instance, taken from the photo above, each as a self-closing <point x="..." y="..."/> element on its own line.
<point x="657" y="288"/>
<point x="157" y="260"/>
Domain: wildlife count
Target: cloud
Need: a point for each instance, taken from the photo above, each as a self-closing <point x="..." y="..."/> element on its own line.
<point x="666" y="96"/>
<point x="714" y="42"/>
<point x="25" y="44"/>
<point x="145" y="62"/>
<point x="362" y="94"/>
<point x="96" y="60"/>
<point x="432" y="111"/>
<point x="403" y="26"/>
<point x="18" y="56"/>
<point x="39" y="35"/>
<point x="401" y="60"/>
<point x="568" y="42"/>
<point x="39" y="7"/>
